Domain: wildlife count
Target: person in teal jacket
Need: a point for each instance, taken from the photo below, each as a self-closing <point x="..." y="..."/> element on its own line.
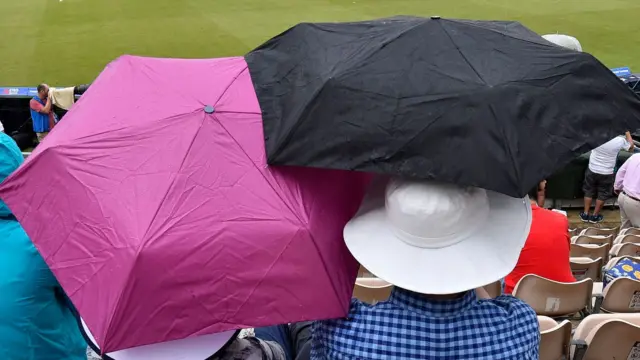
<point x="36" y="319"/>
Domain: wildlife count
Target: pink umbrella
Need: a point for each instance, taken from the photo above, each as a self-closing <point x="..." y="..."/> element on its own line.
<point x="152" y="203"/>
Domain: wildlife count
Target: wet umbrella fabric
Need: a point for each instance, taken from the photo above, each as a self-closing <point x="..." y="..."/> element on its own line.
<point x="483" y="103"/>
<point x="153" y="205"/>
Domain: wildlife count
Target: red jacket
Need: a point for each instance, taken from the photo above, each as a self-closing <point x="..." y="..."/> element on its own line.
<point x="546" y="251"/>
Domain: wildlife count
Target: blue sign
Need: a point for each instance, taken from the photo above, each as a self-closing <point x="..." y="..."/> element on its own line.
<point x="14" y="91"/>
<point x="622" y="71"/>
<point x="18" y="92"/>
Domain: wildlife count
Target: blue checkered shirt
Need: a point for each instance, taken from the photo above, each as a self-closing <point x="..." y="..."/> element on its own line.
<point x="408" y="326"/>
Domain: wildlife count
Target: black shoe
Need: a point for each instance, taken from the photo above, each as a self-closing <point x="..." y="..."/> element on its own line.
<point x="585" y="217"/>
<point x="595" y="219"/>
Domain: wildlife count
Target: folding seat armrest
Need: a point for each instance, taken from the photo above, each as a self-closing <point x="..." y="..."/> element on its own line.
<point x="580" y="349"/>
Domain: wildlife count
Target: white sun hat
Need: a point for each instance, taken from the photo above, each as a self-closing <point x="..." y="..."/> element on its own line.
<point x="566" y="41"/>
<point x="193" y="348"/>
<point x="435" y="238"/>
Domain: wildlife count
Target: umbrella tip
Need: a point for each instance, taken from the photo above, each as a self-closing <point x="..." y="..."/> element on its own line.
<point x="209" y="109"/>
<point x="435" y="17"/>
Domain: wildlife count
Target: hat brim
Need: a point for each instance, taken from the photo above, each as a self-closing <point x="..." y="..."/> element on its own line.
<point x="193" y="348"/>
<point x="486" y="256"/>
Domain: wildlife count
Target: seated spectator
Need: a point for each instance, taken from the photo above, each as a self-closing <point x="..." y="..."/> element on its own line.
<point x="546" y="251"/>
<point x="436" y="243"/>
<point x="627" y="186"/>
<point x="37" y="322"/>
<point x="628" y="268"/>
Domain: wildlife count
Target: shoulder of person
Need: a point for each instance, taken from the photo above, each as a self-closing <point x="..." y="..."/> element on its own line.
<point x="514" y="307"/>
<point x="35" y="105"/>
<point x="547" y="215"/>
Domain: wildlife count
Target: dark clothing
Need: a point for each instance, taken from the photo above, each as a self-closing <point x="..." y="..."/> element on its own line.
<point x="294" y="339"/>
<point x="598" y="186"/>
<point x="251" y="348"/>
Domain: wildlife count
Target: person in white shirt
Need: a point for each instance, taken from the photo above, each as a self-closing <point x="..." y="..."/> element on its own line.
<point x="599" y="177"/>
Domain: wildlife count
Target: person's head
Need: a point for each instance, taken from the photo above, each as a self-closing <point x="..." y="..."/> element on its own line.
<point x="10" y="159"/>
<point x="437" y="239"/>
<point x="43" y="91"/>
<point x="565" y="41"/>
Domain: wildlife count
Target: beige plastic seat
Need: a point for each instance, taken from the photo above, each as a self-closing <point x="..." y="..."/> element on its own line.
<point x="599" y="231"/>
<point x="630" y="231"/>
<point x="494" y="289"/>
<point x="364" y="273"/>
<point x="586" y="268"/>
<point x="555" y="339"/>
<point x="590" y="251"/>
<point x="372" y="290"/>
<point x="614" y="261"/>
<point x="552" y="298"/>
<point x="600" y="337"/>
<point x="623" y="239"/>
<point x="622" y="295"/>
<point x="594" y="240"/>
<point x="573" y="232"/>
<point x="628" y="249"/>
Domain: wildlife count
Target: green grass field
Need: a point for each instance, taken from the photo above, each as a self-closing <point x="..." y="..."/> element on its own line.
<point x="68" y="42"/>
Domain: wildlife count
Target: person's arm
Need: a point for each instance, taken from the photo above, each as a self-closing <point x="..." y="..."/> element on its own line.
<point x="627" y="135"/>
<point x="37" y="106"/>
<point x="542" y="190"/>
<point x="617" y="185"/>
<point x="47" y="108"/>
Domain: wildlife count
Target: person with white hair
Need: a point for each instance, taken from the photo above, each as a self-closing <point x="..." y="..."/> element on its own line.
<point x="566" y="41"/>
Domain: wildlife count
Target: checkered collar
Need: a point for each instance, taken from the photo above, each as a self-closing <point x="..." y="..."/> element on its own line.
<point x="434" y="308"/>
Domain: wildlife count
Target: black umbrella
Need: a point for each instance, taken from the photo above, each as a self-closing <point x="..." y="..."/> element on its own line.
<point x="482" y="103"/>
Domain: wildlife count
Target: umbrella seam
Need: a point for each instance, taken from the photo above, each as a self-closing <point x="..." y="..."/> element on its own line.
<point x="144" y="240"/>
<point x="509" y="150"/>
<point x="463" y="56"/>
<point x="282" y="144"/>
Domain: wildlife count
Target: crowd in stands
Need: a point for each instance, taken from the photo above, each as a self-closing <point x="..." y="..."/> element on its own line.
<point x="435" y="250"/>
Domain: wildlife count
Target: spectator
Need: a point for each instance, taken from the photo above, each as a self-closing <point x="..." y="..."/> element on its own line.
<point x="627" y="186"/>
<point x="37" y="322"/>
<point x="42" y="112"/>
<point x="599" y="178"/>
<point x="546" y="251"/>
<point x="627" y="267"/>
<point x="436" y="243"/>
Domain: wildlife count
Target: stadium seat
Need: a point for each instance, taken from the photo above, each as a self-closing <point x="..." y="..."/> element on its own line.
<point x="610" y="336"/>
<point x="364" y="273"/>
<point x="372" y="290"/>
<point x="630" y="231"/>
<point x="590" y="251"/>
<point x="573" y="232"/>
<point x="622" y="295"/>
<point x="623" y="239"/>
<point x="628" y="249"/>
<point x="586" y="268"/>
<point x="552" y="298"/>
<point x="555" y="339"/>
<point x="593" y="239"/>
<point x="599" y="231"/>
<point x="494" y="289"/>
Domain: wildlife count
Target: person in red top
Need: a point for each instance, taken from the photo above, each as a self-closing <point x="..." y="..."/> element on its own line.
<point x="546" y="251"/>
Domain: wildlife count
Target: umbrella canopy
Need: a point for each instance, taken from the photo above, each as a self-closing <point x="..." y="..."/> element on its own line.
<point x="483" y="103"/>
<point x="154" y="207"/>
